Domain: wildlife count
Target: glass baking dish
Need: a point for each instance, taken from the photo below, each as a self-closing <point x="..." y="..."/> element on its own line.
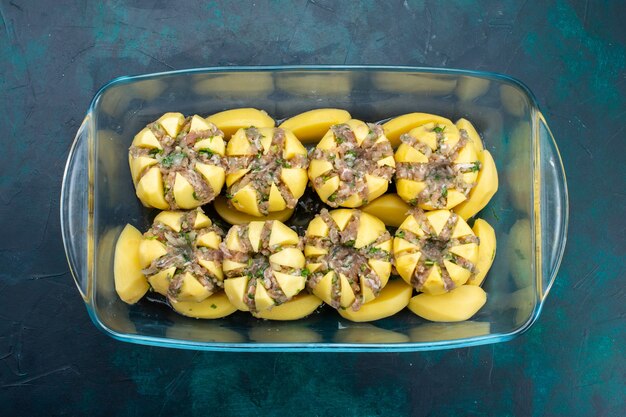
<point x="529" y="213"/>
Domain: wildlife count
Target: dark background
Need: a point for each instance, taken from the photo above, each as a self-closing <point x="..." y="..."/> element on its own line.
<point x="55" y="55"/>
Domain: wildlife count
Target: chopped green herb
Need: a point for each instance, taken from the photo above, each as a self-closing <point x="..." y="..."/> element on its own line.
<point x="213" y="306"/>
<point x="332" y="197"/>
<point x="350" y="243"/>
<point x="413" y="201"/>
<point x="235" y="201"/>
<point x="339" y="140"/>
<point x="305" y="272"/>
<point x="326" y="177"/>
<point x="476" y="166"/>
<point x="195" y="196"/>
<point x="284" y="163"/>
<point x="400" y="234"/>
<point x="428" y="262"/>
<point x="228" y="196"/>
<point x="439" y="129"/>
<point x="351" y="154"/>
<point x="251" y="296"/>
<point x="444" y="191"/>
<point x="155" y="151"/>
<point x="209" y="153"/>
<point x="373" y="250"/>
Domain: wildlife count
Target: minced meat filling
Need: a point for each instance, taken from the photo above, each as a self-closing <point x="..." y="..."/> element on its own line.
<point x="265" y="168"/>
<point x="257" y="266"/>
<point x="435" y="249"/>
<point x="440" y="174"/>
<point x="179" y="156"/>
<point x="183" y="253"/>
<point x="344" y="258"/>
<point x="352" y="162"/>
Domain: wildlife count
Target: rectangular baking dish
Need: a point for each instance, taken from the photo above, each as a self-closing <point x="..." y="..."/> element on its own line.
<point x="529" y="213"/>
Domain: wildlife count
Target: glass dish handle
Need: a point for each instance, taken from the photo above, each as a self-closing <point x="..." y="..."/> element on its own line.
<point x="554" y="206"/>
<point x="76" y="206"/>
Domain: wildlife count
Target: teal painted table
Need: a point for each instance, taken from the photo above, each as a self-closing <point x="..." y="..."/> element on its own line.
<point x="54" y="57"/>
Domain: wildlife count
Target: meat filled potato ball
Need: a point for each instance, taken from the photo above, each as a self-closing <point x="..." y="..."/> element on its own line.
<point x="266" y="170"/>
<point x="348" y="255"/>
<point x="352" y="164"/>
<point x="177" y="162"/>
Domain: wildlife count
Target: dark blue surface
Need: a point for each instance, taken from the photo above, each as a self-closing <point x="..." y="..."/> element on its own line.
<point x="54" y="57"/>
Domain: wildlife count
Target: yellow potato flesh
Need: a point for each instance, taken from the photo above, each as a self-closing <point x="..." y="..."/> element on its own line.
<point x="138" y="165"/>
<point x="295" y="179"/>
<point x="235" y="289"/>
<point x="198" y="123"/>
<point x="486" y="250"/>
<point x="290" y="284"/>
<point x="457" y="305"/>
<point x="282" y="235"/>
<point x="293" y="147"/>
<point x="397" y="126"/>
<point x="376" y="186"/>
<point x="486" y="187"/>
<point x="369" y="229"/>
<point x="130" y="283"/>
<point x="317" y="227"/>
<point x="311" y="126"/>
<point x="146" y="139"/>
<point x="150" y="189"/>
<point x="276" y="200"/>
<point x="246" y="201"/>
<point x="212" y="267"/>
<point x="192" y="289"/>
<point x="184" y="193"/>
<point x="292" y="257"/>
<point x="389" y="208"/>
<point x="172" y="122"/>
<point x="409" y="189"/>
<point x="149" y="250"/>
<point x="319" y="167"/>
<point x="160" y="282"/>
<point x="230" y="121"/>
<point x="393" y="298"/>
<point x="209" y="240"/>
<point x="201" y="220"/>
<point x="213" y="307"/>
<point x="298" y="307"/>
<point x="170" y="218"/>
<point x="254" y="234"/>
<point x="262" y="300"/>
<point x="215" y="145"/>
<point x="239" y="145"/>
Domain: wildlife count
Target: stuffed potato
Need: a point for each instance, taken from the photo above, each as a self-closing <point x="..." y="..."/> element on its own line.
<point x="177" y="162"/>
<point x="435" y="251"/>
<point x="263" y="265"/>
<point x="348" y="255"/>
<point x="352" y="164"/>
<point x="437" y="165"/>
<point x="266" y="170"/>
<point x="180" y="256"/>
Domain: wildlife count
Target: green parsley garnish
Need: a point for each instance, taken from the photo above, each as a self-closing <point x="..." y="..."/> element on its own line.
<point x="332" y="197"/>
<point x="213" y="306"/>
<point x="444" y="191"/>
<point x="413" y="201"/>
<point x="209" y="153"/>
<point x="428" y="262"/>
<point x="439" y="129"/>
<point x="155" y="151"/>
<point x="476" y="167"/>
<point x="195" y="196"/>
<point x="350" y="243"/>
<point x="305" y="272"/>
<point x="400" y="234"/>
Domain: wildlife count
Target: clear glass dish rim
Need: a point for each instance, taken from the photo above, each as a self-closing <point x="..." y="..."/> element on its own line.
<point x="320" y="346"/>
